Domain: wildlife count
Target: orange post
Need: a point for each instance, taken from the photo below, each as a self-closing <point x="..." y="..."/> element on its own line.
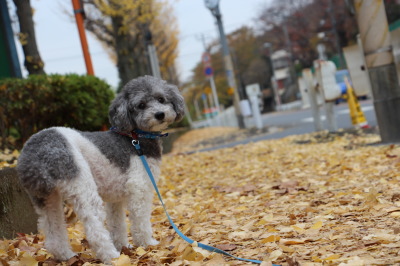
<point x="79" y="16"/>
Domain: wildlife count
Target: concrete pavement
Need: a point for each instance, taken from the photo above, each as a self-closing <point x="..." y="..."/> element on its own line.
<point x="297" y="122"/>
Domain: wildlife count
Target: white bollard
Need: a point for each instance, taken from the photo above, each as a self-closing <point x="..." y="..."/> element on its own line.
<point x="256" y="111"/>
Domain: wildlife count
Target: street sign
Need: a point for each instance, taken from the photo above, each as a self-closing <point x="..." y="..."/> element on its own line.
<point x="253" y="89"/>
<point x="206" y="59"/>
<point x="208" y="71"/>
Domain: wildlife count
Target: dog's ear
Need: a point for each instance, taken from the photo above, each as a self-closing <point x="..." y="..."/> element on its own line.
<point x="118" y="113"/>
<point x="176" y="98"/>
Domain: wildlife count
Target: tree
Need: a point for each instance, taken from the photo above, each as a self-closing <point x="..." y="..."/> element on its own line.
<point x="392" y="10"/>
<point x="27" y="37"/>
<point x="303" y="21"/>
<point x="246" y="50"/>
<point x="124" y="27"/>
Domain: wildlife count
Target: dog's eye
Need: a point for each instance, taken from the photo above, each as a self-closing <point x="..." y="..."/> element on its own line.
<point x="161" y="100"/>
<point x="142" y="106"/>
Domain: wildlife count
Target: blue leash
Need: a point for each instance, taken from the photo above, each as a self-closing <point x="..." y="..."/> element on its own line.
<point x="187" y="239"/>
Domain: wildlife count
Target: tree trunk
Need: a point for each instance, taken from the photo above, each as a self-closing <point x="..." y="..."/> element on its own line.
<point x="123" y="48"/>
<point x="33" y="61"/>
<point x="16" y="212"/>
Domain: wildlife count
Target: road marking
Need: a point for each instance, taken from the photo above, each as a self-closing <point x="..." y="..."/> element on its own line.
<point x="364" y="109"/>
<point x="310" y="119"/>
<point x="341" y="112"/>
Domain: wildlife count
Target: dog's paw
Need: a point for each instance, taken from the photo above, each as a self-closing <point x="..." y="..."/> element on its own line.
<point x="64" y="256"/>
<point x="152" y="242"/>
<point x="128" y="246"/>
<point x="107" y="258"/>
<point x="119" y="246"/>
<point x="145" y="243"/>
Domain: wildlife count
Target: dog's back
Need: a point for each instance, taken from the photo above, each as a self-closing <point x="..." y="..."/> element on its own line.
<point x="45" y="158"/>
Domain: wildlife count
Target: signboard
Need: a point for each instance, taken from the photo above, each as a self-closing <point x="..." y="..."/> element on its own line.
<point x="206" y="59"/>
<point x="253" y="89"/>
<point x="208" y="71"/>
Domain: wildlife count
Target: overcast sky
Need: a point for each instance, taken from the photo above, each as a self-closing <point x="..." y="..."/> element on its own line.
<point x="59" y="44"/>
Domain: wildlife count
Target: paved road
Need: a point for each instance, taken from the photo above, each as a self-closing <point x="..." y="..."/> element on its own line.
<point x="301" y="122"/>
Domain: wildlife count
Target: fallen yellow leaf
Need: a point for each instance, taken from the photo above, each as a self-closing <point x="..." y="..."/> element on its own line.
<point x="271" y="238"/>
<point x="123" y="260"/>
<point x="317" y="225"/>
<point x="140" y="251"/>
<point x="275" y="255"/>
<point x="191" y="255"/>
<point x="27" y="260"/>
<point x="298" y="229"/>
<point x="332" y="257"/>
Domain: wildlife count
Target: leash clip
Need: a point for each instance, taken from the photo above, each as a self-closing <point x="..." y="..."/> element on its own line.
<point x="136" y="144"/>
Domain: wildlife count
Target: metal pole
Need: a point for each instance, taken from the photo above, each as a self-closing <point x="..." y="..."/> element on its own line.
<point x="155" y="66"/>
<point x="330" y="116"/>
<point x="79" y="16"/>
<point x="197" y="109"/>
<point x="289" y="49"/>
<point x="216" y="101"/>
<point x="229" y="67"/>
<point x="205" y="106"/>
<point x="214" y="92"/>
<point x="334" y="29"/>
<point x="152" y="53"/>
<point x="375" y="37"/>
<point x="273" y="80"/>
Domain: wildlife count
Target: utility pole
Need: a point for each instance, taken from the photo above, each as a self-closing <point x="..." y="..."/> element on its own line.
<point x="208" y="71"/>
<point x="79" y="16"/>
<point x="334" y="31"/>
<point x="213" y="5"/>
<point x="375" y="37"/>
<point x="274" y="86"/>
<point x="288" y="42"/>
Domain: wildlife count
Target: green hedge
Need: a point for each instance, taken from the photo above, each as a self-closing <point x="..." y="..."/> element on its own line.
<point x="41" y="101"/>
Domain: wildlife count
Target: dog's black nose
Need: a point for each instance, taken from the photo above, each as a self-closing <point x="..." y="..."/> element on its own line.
<point x="159" y="115"/>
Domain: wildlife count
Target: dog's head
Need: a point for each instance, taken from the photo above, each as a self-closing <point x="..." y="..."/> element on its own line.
<point x="146" y="103"/>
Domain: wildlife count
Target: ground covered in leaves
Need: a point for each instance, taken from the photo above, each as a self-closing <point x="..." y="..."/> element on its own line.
<point x="204" y="138"/>
<point x="309" y="200"/>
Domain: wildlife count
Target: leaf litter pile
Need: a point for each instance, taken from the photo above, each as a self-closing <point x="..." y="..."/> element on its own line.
<point x="303" y="200"/>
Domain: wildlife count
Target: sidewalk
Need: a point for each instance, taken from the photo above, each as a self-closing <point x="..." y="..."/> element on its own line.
<point x="313" y="199"/>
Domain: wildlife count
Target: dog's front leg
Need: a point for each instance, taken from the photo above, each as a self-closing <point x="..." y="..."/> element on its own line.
<point x="140" y="207"/>
<point x="116" y="224"/>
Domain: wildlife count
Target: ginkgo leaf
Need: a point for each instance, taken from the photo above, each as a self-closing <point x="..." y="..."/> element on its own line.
<point x="122" y="260"/>
<point x="317" y="225"/>
<point x="28" y="260"/>
<point x="338" y="204"/>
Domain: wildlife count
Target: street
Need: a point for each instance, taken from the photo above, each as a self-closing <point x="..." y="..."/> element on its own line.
<point x="287" y="123"/>
<point x="301" y="121"/>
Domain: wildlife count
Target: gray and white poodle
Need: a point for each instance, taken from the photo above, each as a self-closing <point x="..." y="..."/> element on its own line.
<point x="90" y="168"/>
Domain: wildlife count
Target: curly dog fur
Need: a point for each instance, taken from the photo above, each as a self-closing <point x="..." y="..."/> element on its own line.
<point x="89" y="169"/>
